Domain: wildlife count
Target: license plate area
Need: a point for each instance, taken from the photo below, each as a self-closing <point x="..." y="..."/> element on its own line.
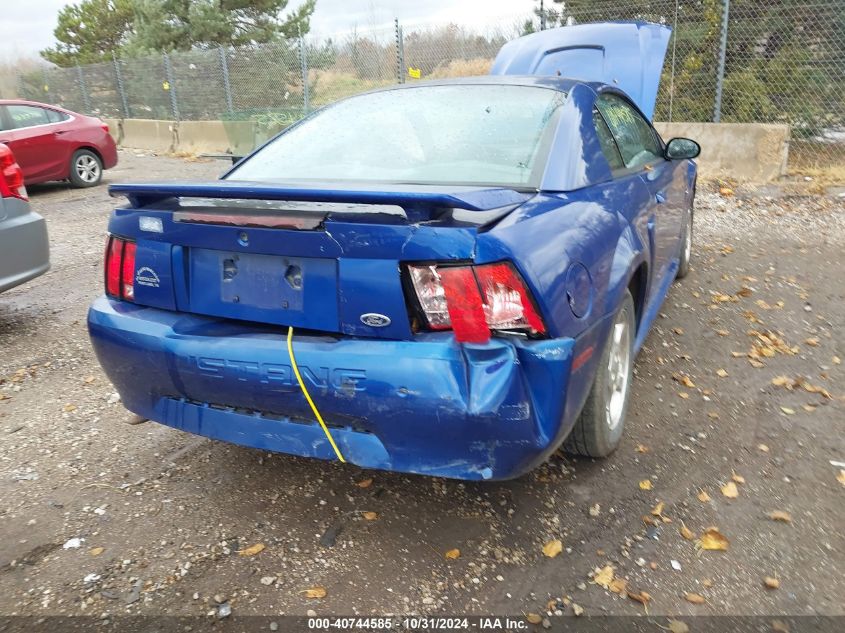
<point x="299" y="291"/>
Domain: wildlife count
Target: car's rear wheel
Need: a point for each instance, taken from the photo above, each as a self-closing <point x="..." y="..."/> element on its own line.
<point x="598" y="430"/>
<point x="86" y="168"/>
<point x="686" y="246"/>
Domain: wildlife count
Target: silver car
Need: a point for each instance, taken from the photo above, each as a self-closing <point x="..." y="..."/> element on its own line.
<point x="24" y="248"/>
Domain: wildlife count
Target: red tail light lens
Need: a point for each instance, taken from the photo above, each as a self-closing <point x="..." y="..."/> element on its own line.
<point x="466" y="312"/>
<point x="473" y="300"/>
<point x="120" y="268"/>
<point x="11" y="175"/>
<point x="507" y="305"/>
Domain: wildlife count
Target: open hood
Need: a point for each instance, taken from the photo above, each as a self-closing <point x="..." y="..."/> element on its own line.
<point x="628" y="55"/>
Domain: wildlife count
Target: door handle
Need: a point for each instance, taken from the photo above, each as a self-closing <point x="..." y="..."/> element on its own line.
<point x="59" y="132"/>
<point x="660" y="197"/>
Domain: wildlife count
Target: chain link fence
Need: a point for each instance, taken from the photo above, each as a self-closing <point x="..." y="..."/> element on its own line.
<point x="760" y="61"/>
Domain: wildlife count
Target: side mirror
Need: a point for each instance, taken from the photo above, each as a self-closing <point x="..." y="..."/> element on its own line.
<point x="679" y="148"/>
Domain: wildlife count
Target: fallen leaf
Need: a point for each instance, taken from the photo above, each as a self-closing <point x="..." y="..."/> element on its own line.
<point x="809" y="408"/>
<point x="618" y="585"/>
<point x="722" y="332"/>
<point x="707" y="582"/>
<point x="712" y="415"/>
<point x="365" y="483"/>
<point x="595" y="510"/>
<point x="730" y="490"/>
<point x="69" y="407"/>
<point x="645" y="484"/>
<point x="727" y="192"/>
<point x="841" y="476"/>
<point x="370" y="516"/>
<point x="694" y="598"/>
<point x="640" y="596"/>
<point x="604" y="576"/>
<point x="252" y="550"/>
<point x="836" y="360"/>
<point x="533" y="618"/>
<point x="453" y="554"/>
<point x="552" y="548"/>
<point x="642" y="449"/>
<point x="771" y="583"/>
<point x="787" y="410"/>
<point x="88" y="380"/>
<point x="780" y="515"/>
<point x="658" y="509"/>
<point x="684" y="395"/>
<point x="763" y="448"/>
<point x="315" y="592"/>
<point x="676" y="626"/>
<point x="577" y="610"/>
<point x="96" y="551"/>
<point x="686" y="532"/>
<point x="722" y="373"/>
<point x="685" y="380"/>
<point x="703" y="496"/>
<point x="779" y="626"/>
<point x="812" y="341"/>
<point x="713" y="540"/>
<point x="783" y="381"/>
<point x="738" y="478"/>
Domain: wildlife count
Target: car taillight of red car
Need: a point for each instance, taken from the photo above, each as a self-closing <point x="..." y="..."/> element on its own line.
<point x="120" y="268"/>
<point x="11" y="176"/>
<point x="472" y="301"/>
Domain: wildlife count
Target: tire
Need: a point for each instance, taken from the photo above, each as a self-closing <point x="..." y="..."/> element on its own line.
<point x="686" y="246"/>
<point x="598" y="430"/>
<point x="86" y="169"/>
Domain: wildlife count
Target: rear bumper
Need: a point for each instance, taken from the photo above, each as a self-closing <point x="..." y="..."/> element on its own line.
<point x="108" y="150"/>
<point x="24" y="248"/>
<point x="427" y="406"/>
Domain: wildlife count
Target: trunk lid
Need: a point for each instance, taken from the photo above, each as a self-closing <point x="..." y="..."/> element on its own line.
<point x="628" y="55"/>
<point x="320" y="258"/>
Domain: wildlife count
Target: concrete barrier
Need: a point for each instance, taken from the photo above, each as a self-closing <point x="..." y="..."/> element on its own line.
<point x="755" y="152"/>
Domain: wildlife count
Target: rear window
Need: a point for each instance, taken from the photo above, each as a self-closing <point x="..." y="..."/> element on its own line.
<point x="463" y="134"/>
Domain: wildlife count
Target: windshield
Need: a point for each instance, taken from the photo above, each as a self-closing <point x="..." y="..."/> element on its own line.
<point x="460" y="134"/>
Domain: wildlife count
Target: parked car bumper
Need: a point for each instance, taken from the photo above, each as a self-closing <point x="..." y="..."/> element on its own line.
<point x="108" y="151"/>
<point x="24" y="247"/>
<point x="427" y="406"/>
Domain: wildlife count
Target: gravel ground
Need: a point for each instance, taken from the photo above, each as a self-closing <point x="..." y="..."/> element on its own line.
<point x="102" y="517"/>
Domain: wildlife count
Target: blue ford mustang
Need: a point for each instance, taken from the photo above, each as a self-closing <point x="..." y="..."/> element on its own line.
<point x="449" y="278"/>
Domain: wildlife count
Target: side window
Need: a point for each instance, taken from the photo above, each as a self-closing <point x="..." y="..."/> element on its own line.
<point x="634" y="136"/>
<point x="608" y="145"/>
<point x="54" y="116"/>
<point x="26" y="116"/>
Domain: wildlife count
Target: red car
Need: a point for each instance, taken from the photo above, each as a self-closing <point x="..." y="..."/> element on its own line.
<point x="51" y="143"/>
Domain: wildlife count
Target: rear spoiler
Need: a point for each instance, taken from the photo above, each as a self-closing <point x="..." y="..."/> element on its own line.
<point x="412" y="198"/>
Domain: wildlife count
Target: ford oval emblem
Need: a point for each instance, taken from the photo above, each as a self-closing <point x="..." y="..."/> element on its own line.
<point x="374" y="319"/>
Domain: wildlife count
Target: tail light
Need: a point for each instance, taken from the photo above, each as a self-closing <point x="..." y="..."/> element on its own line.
<point x="11" y="175"/>
<point x="120" y="268"/>
<point x="473" y="300"/>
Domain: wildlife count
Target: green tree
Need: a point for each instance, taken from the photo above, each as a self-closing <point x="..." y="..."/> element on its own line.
<point x="167" y="25"/>
<point x="93" y="30"/>
<point x="90" y="31"/>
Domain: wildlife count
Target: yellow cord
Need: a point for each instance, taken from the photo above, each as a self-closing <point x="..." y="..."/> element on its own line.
<point x="308" y="397"/>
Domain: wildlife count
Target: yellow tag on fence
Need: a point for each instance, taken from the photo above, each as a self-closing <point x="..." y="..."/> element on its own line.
<point x="414" y="73"/>
<point x="165" y="85"/>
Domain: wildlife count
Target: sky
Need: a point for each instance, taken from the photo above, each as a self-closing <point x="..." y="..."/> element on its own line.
<point x="27" y="27"/>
